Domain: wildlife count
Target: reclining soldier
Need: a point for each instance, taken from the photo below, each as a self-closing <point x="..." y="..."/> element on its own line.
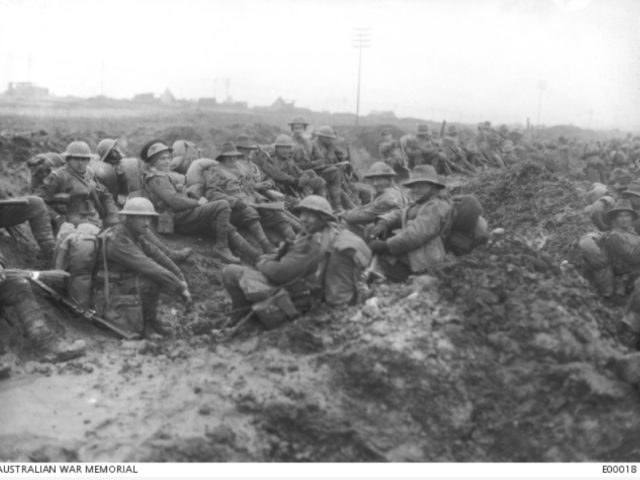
<point x="295" y="268"/>
<point x="136" y="267"/>
<point x="189" y="215"/>
<point x="83" y="206"/>
<point x="289" y="178"/>
<point x="228" y="182"/>
<point x="425" y="223"/>
<point x="16" y="292"/>
<point x="388" y="197"/>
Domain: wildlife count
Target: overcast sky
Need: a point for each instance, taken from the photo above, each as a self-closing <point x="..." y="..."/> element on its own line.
<point x="459" y="60"/>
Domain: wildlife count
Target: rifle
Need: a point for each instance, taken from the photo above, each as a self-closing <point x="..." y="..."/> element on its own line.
<point x="90" y="315"/>
<point x="14" y="201"/>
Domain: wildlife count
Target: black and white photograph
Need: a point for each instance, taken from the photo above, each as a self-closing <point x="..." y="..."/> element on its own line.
<point x="319" y="231"/>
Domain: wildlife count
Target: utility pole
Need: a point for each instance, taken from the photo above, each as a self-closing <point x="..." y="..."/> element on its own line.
<point x="542" y="85"/>
<point x="361" y="39"/>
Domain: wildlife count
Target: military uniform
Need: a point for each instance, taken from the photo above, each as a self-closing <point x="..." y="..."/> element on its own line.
<point x="301" y="260"/>
<point x="231" y="184"/>
<point x="391" y="154"/>
<point x="419" y="245"/>
<point x="136" y="267"/>
<point x="89" y="204"/>
<point x="595" y="169"/>
<point x="290" y="179"/>
<point x="351" y="193"/>
<point x="391" y="199"/>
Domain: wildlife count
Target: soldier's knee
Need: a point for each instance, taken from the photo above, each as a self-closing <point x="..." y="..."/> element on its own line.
<point x="13" y="290"/>
<point x="250" y="214"/>
<point x="218" y="206"/>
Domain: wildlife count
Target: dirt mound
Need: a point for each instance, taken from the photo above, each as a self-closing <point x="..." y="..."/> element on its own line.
<point x="536" y="204"/>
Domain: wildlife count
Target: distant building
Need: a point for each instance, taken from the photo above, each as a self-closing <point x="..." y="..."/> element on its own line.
<point x="26" y="89"/>
<point x="207" y="102"/>
<point x="230" y="103"/>
<point x="144" y="98"/>
<point x="167" y="97"/>
<point x="382" y="114"/>
<point x="280" y="105"/>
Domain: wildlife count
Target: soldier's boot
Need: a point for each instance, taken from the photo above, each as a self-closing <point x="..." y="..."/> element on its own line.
<point x="43" y="233"/>
<point x="284" y="229"/>
<point x="258" y="233"/>
<point x="46" y="346"/>
<point x="240" y="244"/>
<point x="180" y="255"/>
<point x="334" y="198"/>
<point x="223" y="229"/>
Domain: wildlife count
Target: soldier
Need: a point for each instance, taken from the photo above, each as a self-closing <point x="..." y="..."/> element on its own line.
<point x="41" y="165"/>
<point x="456" y="155"/>
<point x="351" y="193"/>
<point x="308" y="156"/>
<point x="425" y="223"/>
<point x="595" y="169"/>
<point x="84" y="205"/>
<point x="228" y="182"/>
<point x="388" y="197"/>
<point x="297" y="269"/>
<point x="16" y="292"/>
<point x="623" y="244"/>
<point x="184" y="154"/>
<point x="188" y="214"/>
<point x="289" y="178"/>
<point x="508" y="153"/>
<point x="136" y="267"/>
<point x="391" y="153"/>
<point x="421" y="149"/>
<point x="108" y="170"/>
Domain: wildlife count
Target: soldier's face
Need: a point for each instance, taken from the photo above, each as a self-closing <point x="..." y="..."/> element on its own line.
<point x="162" y="162"/>
<point x="624" y="220"/>
<point x="380" y="184"/>
<point x="297" y="129"/>
<point x="283" y="152"/>
<point x="78" y="164"/>
<point x="311" y="221"/>
<point x="140" y="224"/>
<point x="420" y="189"/>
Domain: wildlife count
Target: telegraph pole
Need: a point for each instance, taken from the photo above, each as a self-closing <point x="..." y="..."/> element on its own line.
<point x="361" y="39"/>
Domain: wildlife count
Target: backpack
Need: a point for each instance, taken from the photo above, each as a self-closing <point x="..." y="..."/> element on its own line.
<point x="348" y="257"/>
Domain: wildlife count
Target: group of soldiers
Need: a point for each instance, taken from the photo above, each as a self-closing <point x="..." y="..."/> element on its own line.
<point x="296" y="212"/>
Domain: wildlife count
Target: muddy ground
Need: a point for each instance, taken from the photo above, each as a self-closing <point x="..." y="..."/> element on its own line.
<point x="501" y="355"/>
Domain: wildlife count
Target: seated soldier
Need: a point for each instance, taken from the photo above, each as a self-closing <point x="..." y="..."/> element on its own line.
<point x="421" y="149"/>
<point x="295" y="268"/>
<point x="108" y="170"/>
<point x="257" y="180"/>
<point x="184" y="154"/>
<point x="425" y="223"/>
<point x="16" y="292"/>
<point x="623" y="245"/>
<point x="188" y="214"/>
<point x="468" y="228"/>
<point x="289" y="178"/>
<point x="136" y="267"/>
<point x="391" y="152"/>
<point x="228" y="182"/>
<point x="83" y="205"/>
<point x="388" y="197"/>
<point x="41" y="165"/>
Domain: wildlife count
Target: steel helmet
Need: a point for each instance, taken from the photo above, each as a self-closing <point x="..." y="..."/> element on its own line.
<point x="139" y="206"/>
<point x="105" y="146"/>
<point x="283" y="140"/>
<point x="298" y="121"/>
<point x="380" y="169"/>
<point x="78" y="150"/>
<point x="452" y="130"/>
<point x="326" y="132"/>
<point x="317" y="204"/>
<point x="154" y="149"/>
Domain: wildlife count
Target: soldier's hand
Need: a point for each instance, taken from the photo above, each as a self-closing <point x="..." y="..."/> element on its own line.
<point x="186" y="296"/>
<point x="111" y="221"/>
<point x="380" y="230"/>
<point x="202" y="200"/>
<point x="241" y="204"/>
<point x="379" y="246"/>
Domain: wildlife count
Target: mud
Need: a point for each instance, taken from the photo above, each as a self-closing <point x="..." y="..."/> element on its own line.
<point x="501" y="355"/>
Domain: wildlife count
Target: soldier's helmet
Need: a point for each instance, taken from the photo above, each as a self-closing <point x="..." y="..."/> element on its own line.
<point x="78" y="150"/>
<point x="423" y="130"/>
<point x="326" y="131"/>
<point x="452" y="130"/>
<point x="298" y="121"/>
<point x="317" y="204"/>
<point x="139" y="206"/>
<point x="283" y="140"/>
<point x="380" y="169"/>
<point x="105" y="146"/>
